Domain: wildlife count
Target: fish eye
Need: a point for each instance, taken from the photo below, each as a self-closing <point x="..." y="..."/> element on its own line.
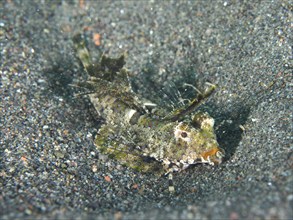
<point x="184" y="134"/>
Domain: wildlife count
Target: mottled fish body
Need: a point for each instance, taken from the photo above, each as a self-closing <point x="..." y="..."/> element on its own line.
<point x="138" y="134"/>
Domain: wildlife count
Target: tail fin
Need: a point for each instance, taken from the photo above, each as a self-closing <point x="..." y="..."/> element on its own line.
<point x="106" y="68"/>
<point x="83" y="54"/>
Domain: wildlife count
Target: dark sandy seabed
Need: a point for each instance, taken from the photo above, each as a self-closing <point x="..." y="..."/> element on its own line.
<point x="49" y="167"/>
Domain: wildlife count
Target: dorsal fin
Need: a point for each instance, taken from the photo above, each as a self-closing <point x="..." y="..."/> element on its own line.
<point x="179" y="113"/>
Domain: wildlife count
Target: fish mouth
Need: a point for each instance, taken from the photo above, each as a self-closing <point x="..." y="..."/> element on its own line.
<point x="214" y="156"/>
<point x="219" y="156"/>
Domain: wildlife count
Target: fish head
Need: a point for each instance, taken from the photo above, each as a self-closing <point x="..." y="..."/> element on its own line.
<point x="194" y="142"/>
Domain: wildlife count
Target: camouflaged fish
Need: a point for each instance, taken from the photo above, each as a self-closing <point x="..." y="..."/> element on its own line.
<point x="138" y="134"/>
